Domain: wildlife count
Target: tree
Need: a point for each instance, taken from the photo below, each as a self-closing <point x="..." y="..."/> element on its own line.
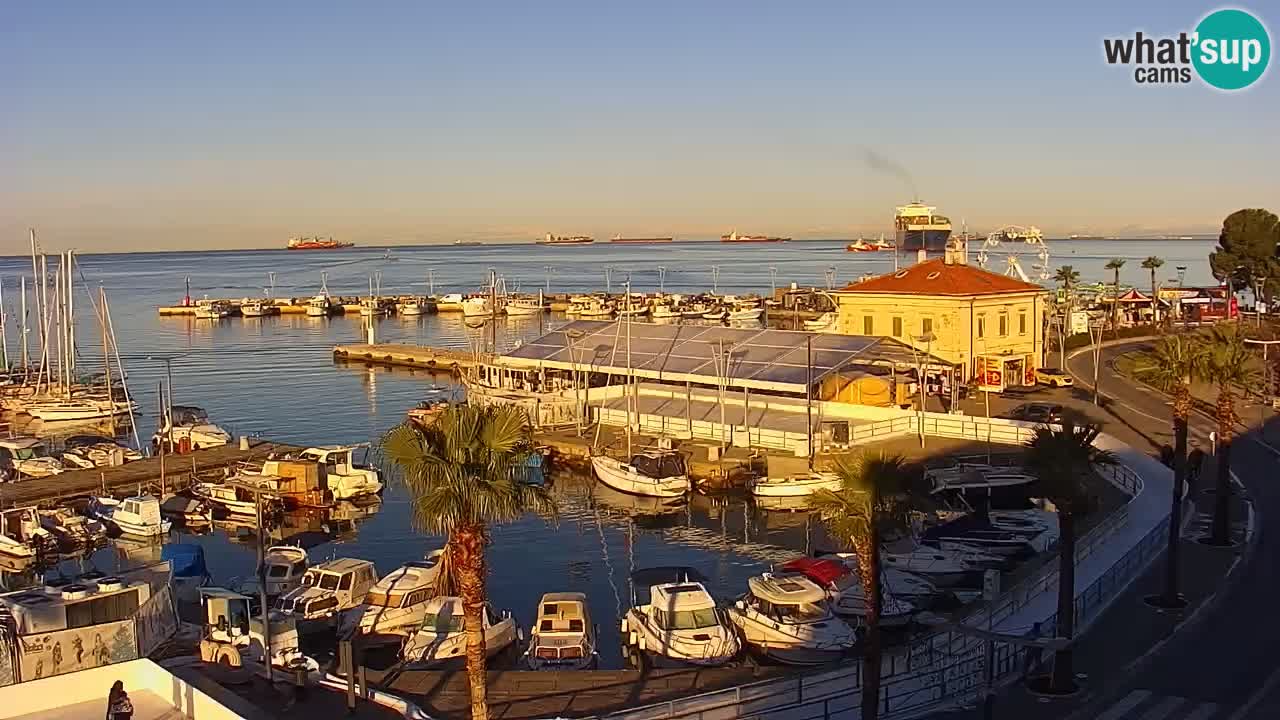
<point x="1247" y="251"/>
<point x="1153" y="263"/>
<point x="1067" y="276"/>
<point x="464" y="474"/>
<point x="1114" y="265"/>
<point x="1176" y="362"/>
<point x="1228" y="364"/>
<point x="1061" y="457"/>
<point x="874" y="500"/>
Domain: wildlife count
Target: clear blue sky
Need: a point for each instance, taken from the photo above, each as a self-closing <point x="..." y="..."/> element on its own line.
<point x="137" y="125"/>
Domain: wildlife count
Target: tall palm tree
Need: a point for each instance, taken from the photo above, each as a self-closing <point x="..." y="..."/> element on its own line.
<point x="1228" y="364"/>
<point x="1114" y="265"/>
<point x="1153" y="263"/>
<point x="1061" y="457"/>
<point x="873" y="501"/>
<point x="1067" y="276"/>
<point x="1176" y="361"/>
<point x="464" y="474"/>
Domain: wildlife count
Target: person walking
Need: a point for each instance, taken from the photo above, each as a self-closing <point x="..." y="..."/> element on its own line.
<point x="118" y="705"/>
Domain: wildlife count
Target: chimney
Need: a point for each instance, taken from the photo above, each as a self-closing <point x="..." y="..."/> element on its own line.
<point x="957" y="252"/>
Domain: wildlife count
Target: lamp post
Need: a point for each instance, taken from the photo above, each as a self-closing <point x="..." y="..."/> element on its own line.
<point x="773" y="281"/>
<point x="927" y="339"/>
<point x="573" y="358"/>
<point x="1095" y="335"/>
<point x="662" y="280"/>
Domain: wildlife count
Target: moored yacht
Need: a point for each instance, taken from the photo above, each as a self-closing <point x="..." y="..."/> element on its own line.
<point x="846" y="594"/>
<point x="563" y="637"/>
<point x="283" y="566"/>
<point x="138" y="515"/>
<point x="326" y="591"/>
<point x="188" y="427"/>
<point x="344" y="477"/>
<point x="787" y="617"/>
<point x="675" y="619"/>
<point x="799" y="485"/>
<point x="235" y="500"/>
<point x="28" y="457"/>
<point x="22" y="536"/>
<point x="442" y="636"/>
<point x="397" y="603"/>
<point x="656" y="473"/>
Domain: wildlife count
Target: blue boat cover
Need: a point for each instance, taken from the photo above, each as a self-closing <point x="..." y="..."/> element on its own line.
<point x="187" y="559"/>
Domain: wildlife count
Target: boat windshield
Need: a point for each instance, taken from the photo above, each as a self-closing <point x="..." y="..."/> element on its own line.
<point x="442" y="623"/>
<point x="802" y="613"/>
<point x="686" y="619"/>
<point x="30" y="453"/>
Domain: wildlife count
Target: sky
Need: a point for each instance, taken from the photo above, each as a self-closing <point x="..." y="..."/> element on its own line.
<point x="140" y="125"/>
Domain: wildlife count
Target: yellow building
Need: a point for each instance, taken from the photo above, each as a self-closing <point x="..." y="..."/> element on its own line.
<point x="990" y="326"/>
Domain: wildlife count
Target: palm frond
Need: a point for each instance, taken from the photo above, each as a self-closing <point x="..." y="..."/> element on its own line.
<point x="1062" y="457"/>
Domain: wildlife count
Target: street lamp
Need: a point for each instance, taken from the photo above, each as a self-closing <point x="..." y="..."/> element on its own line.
<point x="662" y="279"/>
<point x="927" y="339"/>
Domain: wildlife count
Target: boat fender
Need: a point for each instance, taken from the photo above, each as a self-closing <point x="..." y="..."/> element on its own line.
<point x="639" y="642"/>
<point x="624" y="625"/>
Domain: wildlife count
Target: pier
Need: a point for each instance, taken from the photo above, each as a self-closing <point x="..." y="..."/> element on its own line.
<point x="414" y="356"/>
<point x="179" y="469"/>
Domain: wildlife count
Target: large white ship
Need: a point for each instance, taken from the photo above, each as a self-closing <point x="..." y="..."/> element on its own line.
<point x="918" y="227"/>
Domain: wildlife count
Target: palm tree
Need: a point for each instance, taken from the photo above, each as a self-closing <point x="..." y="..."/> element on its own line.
<point x="1227" y="363"/>
<point x="1114" y="265"/>
<point x="1061" y="458"/>
<point x="1067" y="276"/>
<point x="1176" y="362"/>
<point x="464" y="474"/>
<point x="873" y="501"/>
<point x="1153" y="263"/>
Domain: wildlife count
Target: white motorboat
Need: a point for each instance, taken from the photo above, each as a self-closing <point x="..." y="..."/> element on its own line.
<point x="72" y="530"/>
<point x="939" y="564"/>
<point x="258" y="308"/>
<point x="449" y="303"/>
<point x="212" y="309"/>
<point x="320" y="305"/>
<point x="397" y="603"/>
<point x="846" y="594"/>
<point x="716" y="314"/>
<point x="344" y="477"/>
<point x="589" y="307"/>
<point x="413" y="307"/>
<point x="372" y="307"/>
<point x="327" y="590"/>
<point x="23" y="537"/>
<point x="283" y="566"/>
<point x="442" y="636"/>
<point x="693" y="311"/>
<point x="479" y="306"/>
<point x="656" y="473"/>
<point x="91" y="451"/>
<point x="788" y="618"/>
<point x="523" y="307"/>
<point x="189" y="426"/>
<point x="28" y="457"/>
<point x="80" y="409"/>
<point x="675" y="619"/>
<point x="822" y="323"/>
<point x="234" y="500"/>
<point x="138" y="515"/>
<point x="745" y="312"/>
<point x="799" y="485"/>
<point x="563" y="637"/>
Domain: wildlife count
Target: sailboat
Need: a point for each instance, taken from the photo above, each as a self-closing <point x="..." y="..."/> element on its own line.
<point x="652" y="473"/>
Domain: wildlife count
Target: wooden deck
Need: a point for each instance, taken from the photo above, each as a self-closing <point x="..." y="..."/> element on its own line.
<point x="126" y="479"/>
<point x="416" y="356"/>
<point x="518" y="694"/>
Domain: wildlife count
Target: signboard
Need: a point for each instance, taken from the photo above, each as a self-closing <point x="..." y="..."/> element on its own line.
<point x="47" y="654"/>
<point x="1029" y="371"/>
<point x="1079" y="323"/>
<point x="988" y="374"/>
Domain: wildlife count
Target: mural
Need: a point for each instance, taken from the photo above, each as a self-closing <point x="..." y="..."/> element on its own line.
<point x="48" y="654"/>
<point x="157" y="620"/>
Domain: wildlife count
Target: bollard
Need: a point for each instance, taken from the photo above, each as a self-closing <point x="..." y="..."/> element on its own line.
<point x="244" y="442"/>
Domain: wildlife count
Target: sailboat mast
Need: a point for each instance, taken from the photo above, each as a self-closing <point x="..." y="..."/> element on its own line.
<point x="630" y="375"/>
<point x="26" y="361"/>
<point x="4" y="330"/>
<point x="71" y="316"/>
<point x="106" y="356"/>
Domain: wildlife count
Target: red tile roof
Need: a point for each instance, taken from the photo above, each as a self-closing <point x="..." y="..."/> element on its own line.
<point x="934" y="277"/>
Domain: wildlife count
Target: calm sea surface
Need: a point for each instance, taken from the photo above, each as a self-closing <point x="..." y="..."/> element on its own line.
<point x="274" y="377"/>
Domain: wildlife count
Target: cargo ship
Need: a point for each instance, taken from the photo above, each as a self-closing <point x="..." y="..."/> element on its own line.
<point x="920" y="228"/>
<point x="734" y="237"/>
<point x="550" y="239"/>
<point x="317" y="243"/>
<point x="640" y="241"/>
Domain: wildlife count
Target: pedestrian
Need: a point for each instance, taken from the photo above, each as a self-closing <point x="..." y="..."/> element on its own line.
<point x="118" y="705"/>
<point x="1031" y="661"/>
<point x="1195" y="463"/>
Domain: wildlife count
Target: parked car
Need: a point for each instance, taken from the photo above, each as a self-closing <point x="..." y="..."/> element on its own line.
<point x="1036" y="413"/>
<point x="1053" y="377"/>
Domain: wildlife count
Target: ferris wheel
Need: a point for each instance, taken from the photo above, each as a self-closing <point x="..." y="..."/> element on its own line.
<point x="1021" y="250"/>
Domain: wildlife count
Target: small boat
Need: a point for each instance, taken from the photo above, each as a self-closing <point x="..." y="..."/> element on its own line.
<point x="327" y="590"/>
<point x="138" y="515"/>
<point x="345" y="478"/>
<point x="450" y="303"/>
<point x="693" y="311"/>
<point x="788" y="618"/>
<point x="663" y="311"/>
<point x="479" y="306"/>
<point x="523" y="307"/>
<point x="188" y="427"/>
<point x="674" y="619"/>
<point x="258" y="308"/>
<point x="656" y="473"/>
<point x="426" y="412"/>
<point x="28" y="457"/>
<point x="563" y="637"/>
<point x="823" y="322"/>
<point x="635" y="308"/>
<point x="283" y="567"/>
<point x="716" y="314"/>
<point x="80" y="409"/>
<point x="441" y="637"/>
<point x="589" y="307"/>
<point x="845" y="592"/>
<point x="72" y="530"/>
<point x="234" y="500"/>
<point x="91" y="451"/>
<point x="212" y="309"/>
<point x="23" y="537"/>
<point x="800" y="485"/>
<point x="186" y="510"/>
<point x="746" y="312"/>
<point x="396" y="604"/>
<point x="413" y="307"/>
<point x="861" y="245"/>
<point x="320" y="306"/>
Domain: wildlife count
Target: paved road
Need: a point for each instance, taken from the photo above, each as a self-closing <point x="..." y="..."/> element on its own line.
<point x="1222" y="667"/>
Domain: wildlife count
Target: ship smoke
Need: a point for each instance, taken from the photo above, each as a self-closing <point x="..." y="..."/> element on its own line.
<point x="882" y="164"/>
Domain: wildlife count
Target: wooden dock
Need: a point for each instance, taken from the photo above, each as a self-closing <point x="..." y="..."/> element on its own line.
<point x="519" y="694"/>
<point x="415" y="356"/>
<point x="126" y="479"/>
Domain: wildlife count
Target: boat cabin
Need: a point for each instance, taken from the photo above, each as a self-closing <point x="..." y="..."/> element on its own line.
<point x="682" y="606"/>
<point x="560" y="633"/>
<point x="789" y="598"/>
<point x="330" y="587"/>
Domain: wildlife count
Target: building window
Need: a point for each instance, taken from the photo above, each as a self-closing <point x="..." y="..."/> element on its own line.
<point x="1022" y="323"/>
<point x="897" y="327"/>
<point x="868" y="325"/>
<point x="926" y="326"/>
<point x="1004" y="325"/>
<point x="982" y="326"/>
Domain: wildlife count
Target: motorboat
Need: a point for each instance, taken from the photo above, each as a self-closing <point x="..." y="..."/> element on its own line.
<point x="372" y="307"/>
<point x="861" y="245"/>
<point x="449" y="303"/>
<point x="524" y="306"/>
<point x="442" y="635"/>
<point x="745" y="311"/>
<point x="822" y="323"/>
<point x="426" y="412"/>
<point x="788" y="618"/>
<point x="846" y="594"/>
<point x="296" y="483"/>
<point x="414" y="306"/>
<point x="663" y="311"/>
<point x="589" y="307"/>
<point x="137" y="515"/>
<point x="798" y="485"/>
<point x="715" y="314"/>
<point x="258" y="308"/>
<point x="397" y="603"/>
<point x="23" y="537"/>
<point x="91" y="451"/>
<point x="187" y="570"/>
<point x="28" y="457"/>
<point x="479" y="306"/>
<point x="327" y="590"/>
<point x="187" y="510"/>
<point x="971" y="533"/>
<point x="73" y="530"/>
<point x="212" y="309"/>
<point x="656" y="473"/>
<point x="233" y="499"/>
<point x="675" y="619"/>
<point x="283" y="567"/>
<point x="344" y="477"/>
<point x="694" y="311"/>
<point x="188" y="426"/>
<point x="320" y="305"/>
<point x="941" y="564"/>
<point x="563" y="637"/>
<point x="974" y="483"/>
<point x="84" y="408"/>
